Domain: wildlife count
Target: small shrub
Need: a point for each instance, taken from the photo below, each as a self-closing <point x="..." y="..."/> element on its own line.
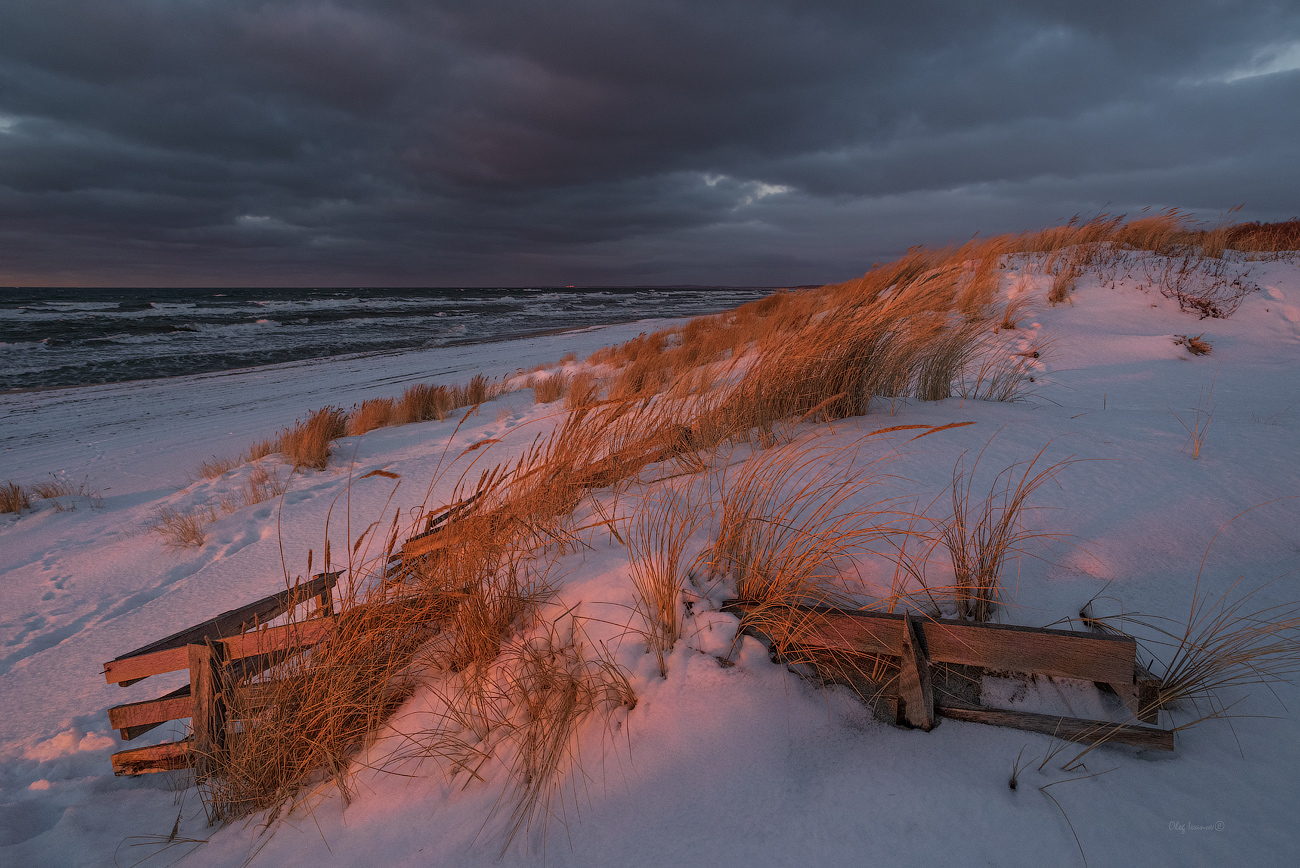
<point x="14" y="498"/>
<point x="308" y="444"/>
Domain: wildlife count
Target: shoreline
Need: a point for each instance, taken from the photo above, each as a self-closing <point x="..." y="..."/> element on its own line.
<point x="71" y="430"/>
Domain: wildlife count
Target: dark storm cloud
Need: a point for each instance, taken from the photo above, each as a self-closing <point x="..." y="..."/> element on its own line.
<point x="218" y="141"/>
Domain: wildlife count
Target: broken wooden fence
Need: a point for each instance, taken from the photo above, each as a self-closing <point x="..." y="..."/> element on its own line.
<point x="809" y="634"/>
<point x="221" y="654"/>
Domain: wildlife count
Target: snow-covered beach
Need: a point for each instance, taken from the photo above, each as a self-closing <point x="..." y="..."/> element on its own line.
<point x="742" y="765"/>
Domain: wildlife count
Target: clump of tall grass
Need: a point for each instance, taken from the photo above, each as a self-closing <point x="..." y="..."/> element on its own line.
<point x="1063" y="284"/>
<point x="14" y="498"/>
<point x="423" y="402"/>
<point x="182" y="528"/>
<point x="656" y="545"/>
<point x="983" y="534"/>
<point x="792" y="517"/>
<point x="551" y="388"/>
<point x="555" y="687"/>
<point x="371" y="414"/>
<point x="61" y="493"/>
<point x="583" y="391"/>
<point x="308" y="443"/>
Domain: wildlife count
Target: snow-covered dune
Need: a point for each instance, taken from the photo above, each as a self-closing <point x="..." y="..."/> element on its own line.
<point x="742" y="765"/>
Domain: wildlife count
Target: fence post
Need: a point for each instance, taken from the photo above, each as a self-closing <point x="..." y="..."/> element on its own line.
<point x="914" y="678"/>
<point x="208" y="713"/>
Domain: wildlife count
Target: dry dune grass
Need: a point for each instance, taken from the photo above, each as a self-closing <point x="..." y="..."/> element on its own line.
<point x="464" y="619"/>
<point x="308" y="443"/>
<point x="549" y="389"/>
<point x="656" y="544"/>
<point x="187" y="528"/>
<point x="583" y="391"/>
<point x="467" y="620"/>
<point x="983" y="534"/>
<point x="792" y="517"/>
<point x="14" y="498"/>
<point x="371" y="414"/>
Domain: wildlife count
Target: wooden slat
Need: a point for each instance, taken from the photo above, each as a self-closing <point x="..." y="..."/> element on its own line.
<point x="1025" y="649"/>
<point x="1148" y="695"/>
<point x="914" y="678"/>
<point x="155" y="758"/>
<point x="133" y="669"/>
<point x="136" y="718"/>
<point x="1088" y="657"/>
<point x="1067" y="728"/>
<point x="281" y="638"/>
<point x="423" y="545"/>
<point x="234" y="621"/>
<point x="284" y="638"/>
<point x="207" y="702"/>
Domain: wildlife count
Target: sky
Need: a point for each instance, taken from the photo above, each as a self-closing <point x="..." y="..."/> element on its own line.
<point x="614" y="142"/>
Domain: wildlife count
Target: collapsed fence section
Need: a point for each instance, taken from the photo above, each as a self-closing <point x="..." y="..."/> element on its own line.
<point x="897" y="661"/>
<point x="223" y="655"/>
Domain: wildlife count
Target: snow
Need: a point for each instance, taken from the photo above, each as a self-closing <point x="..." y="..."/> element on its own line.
<point x="722" y="766"/>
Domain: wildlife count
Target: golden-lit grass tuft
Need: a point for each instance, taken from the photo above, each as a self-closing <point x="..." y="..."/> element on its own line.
<point x="656" y="544"/>
<point x="308" y="443"/>
<point x="423" y="402"/>
<point x="1063" y="284"/>
<point x="982" y="534"/>
<point x="791" y="519"/>
<point x="551" y="388"/>
<point x="583" y="391"/>
<point x="14" y="498"/>
<point x="371" y="414"/>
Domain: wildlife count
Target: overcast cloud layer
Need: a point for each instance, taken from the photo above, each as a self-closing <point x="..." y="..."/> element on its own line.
<point x="226" y="142"/>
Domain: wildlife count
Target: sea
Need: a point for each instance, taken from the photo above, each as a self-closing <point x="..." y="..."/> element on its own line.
<point x="71" y="337"/>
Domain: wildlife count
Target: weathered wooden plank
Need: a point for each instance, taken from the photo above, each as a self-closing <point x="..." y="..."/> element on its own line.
<point x="1088" y="657"/>
<point x="1025" y="649"/>
<point x="136" y="718"/>
<point x="207" y="711"/>
<point x="132" y="669"/>
<point x="285" y="637"/>
<point x="1067" y="728"/>
<point x="914" y="685"/>
<point x="1148" y="695"/>
<point x="155" y="758"/>
<point x="424" y="544"/>
<point x="232" y="622"/>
